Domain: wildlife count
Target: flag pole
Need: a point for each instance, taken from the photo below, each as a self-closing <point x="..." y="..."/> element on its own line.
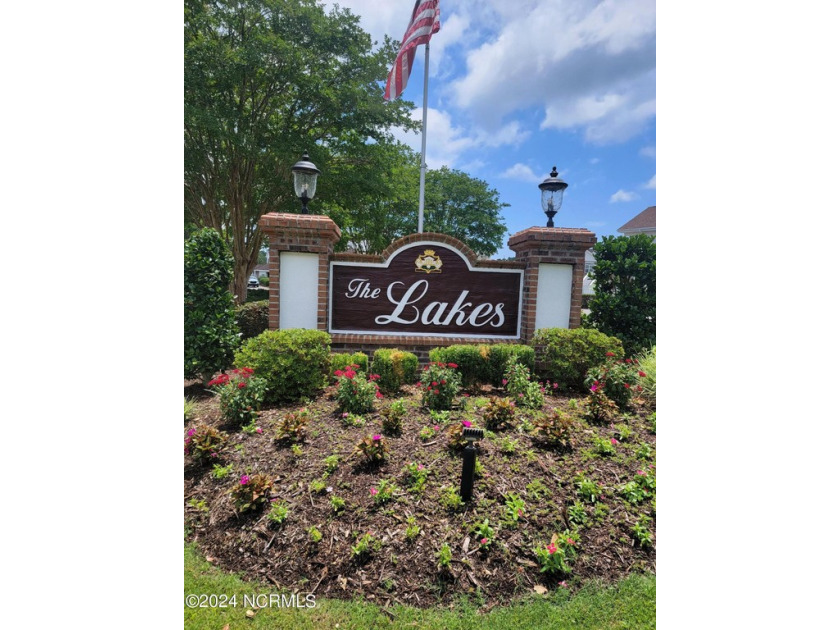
<point x="423" y="144"/>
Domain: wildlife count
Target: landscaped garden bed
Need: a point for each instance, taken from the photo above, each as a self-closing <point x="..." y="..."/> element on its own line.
<point x="561" y="495"/>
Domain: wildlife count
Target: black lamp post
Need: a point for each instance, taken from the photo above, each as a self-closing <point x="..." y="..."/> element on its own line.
<point x="306" y="178"/>
<point x="468" y="467"/>
<point x="552" y="195"/>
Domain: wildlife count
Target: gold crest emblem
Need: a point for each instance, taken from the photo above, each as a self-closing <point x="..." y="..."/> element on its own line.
<point x="428" y="262"/>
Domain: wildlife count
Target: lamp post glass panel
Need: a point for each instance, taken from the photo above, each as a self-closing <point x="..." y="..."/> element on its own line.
<point x="306" y="178"/>
<point x="552" y="195"/>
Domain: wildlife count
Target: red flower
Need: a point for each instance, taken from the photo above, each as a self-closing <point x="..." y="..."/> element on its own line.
<point x="452" y="365"/>
<point x="642" y="374"/>
<point x="434" y="383"/>
<point x="241" y="384"/>
<point x="437" y="391"/>
<point x="378" y="394"/>
<point x="610" y="354"/>
<point x="627" y="385"/>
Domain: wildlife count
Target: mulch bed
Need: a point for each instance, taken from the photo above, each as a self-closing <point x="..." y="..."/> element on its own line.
<point x="401" y="571"/>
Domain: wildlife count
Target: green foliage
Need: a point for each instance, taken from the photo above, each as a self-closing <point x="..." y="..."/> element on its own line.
<point x="365" y="546"/>
<point x="617" y="378"/>
<point x="508" y="445"/>
<point x="555" y="429"/>
<point x="210" y="334"/>
<point x="315" y="534"/>
<point x="514" y="509"/>
<point x="641" y="532"/>
<point x="485" y="534"/>
<point x="293" y="362"/>
<point x="292" y="426"/>
<point x="605" y="447"/>
<point x="412" y="529"/>
<point x="599" y="408"/>
<point x="392" y="418"/>
<point x="338" y="504"/>
<point x="644" y="451"/>
<point x="521" y="389"/>
<point x="250" y="491"/>
<point x="251" y="319"/>
<point x="279" y="512"/>
<point x="537" y="490"/>
<point x="557" y="556"/>
<point x="190" y="406"/>
<point x="240" y="395"/>
<point x="624" y="281"/>
<point x="265" y="80"/>
<point x="577" y="513"/>
<point x="395" y="368"/>
<point x="355" y="392"/>
<point x="204" y="442"/>
<point x="450" y="499"/>
<point x="371" y="450"/>
<point x="647" y="365"/>
<point x="352" y="420"/>
<point x="383" y="492"/>
<point x="318" y="486"/>
<point x="263" y="280"/>
<point x="444" y="556"/>
<point x="358" y="361"/>
<point x="220" y="472"/>
<point x="455" y="440"/>
<point x="564" y="355"/>
<point x="426" y="433"/>
<point x="330" y="464"/>
<point x="483" y="363"/>
<point x="440" y="383"/>
<point x="416" y="475"/>
<point x="587" y="489"/>
<point x="499" y="414"/>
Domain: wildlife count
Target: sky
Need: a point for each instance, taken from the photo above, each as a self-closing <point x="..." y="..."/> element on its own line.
<point x="516" y="88"/>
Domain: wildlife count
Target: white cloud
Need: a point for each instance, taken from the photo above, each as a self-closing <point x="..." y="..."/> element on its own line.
<point x="523" y="173"/>
<point x="623" y="195"/>
<point x="648" y="152"/>
<point x="596" y="71"/>
<point x="379" y="18"/>
<point x="651" y="183"/>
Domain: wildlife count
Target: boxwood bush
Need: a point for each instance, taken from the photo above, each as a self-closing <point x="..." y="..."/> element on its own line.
<point x="252" y="319"/>
<point x="293" y="361"/>
<point x="395" y="368"/>
<point x="564" y="355"/>
<point x="483" y="363"/>
<point x="339" y="361"/>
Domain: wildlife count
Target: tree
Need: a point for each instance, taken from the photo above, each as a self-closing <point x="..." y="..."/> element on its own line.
<point x="265" y="80"/>
<point x="210" y="334"/>
<point x="624" y="282"/>
<point x="455" y="204"/>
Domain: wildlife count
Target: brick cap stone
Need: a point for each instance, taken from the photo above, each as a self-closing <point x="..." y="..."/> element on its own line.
<point x="277" y="222"/>
<point x="553" y="235"/>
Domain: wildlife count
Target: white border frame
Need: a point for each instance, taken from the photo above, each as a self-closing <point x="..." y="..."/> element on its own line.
<point x="387" y="263"/>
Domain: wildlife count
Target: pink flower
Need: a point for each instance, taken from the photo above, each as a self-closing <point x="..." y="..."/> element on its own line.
<point x="483" y="541"/>
<point x="436" y="427"/>
<point x="377" y="437"/>
<point x="259" y="430"/>
<point x="519" y="512"/>
<point x="466" y="423"/>
<point x="555" y="385"/>
<point x="613" y="441"/>
<point x="504" y="381"/>
<point x="191" y="432"/>
<point x="420" y="467"/>
<point x="244" y="480"/>
<point x="563" y="584"/>
<point x="551" y="548"/>
<point x="345" y="414"/>
<point x="594" y="388"/>
<point x="571" y="541"/>
<point x="373" y="491"/>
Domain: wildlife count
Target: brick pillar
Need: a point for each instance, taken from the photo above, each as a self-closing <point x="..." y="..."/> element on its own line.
<point x="550" y="246"/>
<point x="299" y="233"/>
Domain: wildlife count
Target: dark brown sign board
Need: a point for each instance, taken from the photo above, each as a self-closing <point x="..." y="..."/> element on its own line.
<point x="425" y="288"/>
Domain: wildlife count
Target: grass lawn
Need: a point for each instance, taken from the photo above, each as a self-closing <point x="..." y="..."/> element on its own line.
<point x="631" y="603"/>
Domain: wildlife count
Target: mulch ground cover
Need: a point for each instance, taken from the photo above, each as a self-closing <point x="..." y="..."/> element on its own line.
<point x="406" y="571"/>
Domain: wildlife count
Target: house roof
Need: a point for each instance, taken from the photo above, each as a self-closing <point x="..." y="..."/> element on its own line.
<point x="645" y="220"/>
<point x="263" y="267"/>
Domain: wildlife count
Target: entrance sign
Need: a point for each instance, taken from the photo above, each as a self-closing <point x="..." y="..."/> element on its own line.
<point x="425" y="288"/>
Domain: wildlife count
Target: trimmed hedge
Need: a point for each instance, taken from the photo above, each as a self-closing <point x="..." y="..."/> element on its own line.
<point x="395" y="368"/>
<point x="340" y="361"/>
<point x="483" y="363"/>
<point x="293" y="361"/>
<point x="564" y="355"/>
<point x="252" y="319"/>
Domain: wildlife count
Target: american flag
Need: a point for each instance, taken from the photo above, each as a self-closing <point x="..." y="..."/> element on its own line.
<point x="425" y="21"/>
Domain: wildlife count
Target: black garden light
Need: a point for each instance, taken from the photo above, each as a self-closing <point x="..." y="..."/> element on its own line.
<point x="468" y="470"/>
<point x="306" y="178"/>
<point x="552" y="195"/>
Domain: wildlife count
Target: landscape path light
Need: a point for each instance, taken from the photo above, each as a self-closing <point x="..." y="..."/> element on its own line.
<point x="306" y="178"/>
<point x="468" y="469"/>
<point x="552" y="195"/>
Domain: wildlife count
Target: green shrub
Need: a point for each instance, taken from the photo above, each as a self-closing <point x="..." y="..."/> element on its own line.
<point x="263" y="280"/>
<point x="440" y="384"/>
<point x="210" y="334"/>
<point x="647" y="365"/>
<point x="564" y="355"/>
<point x="339" y="361"/>
<point x="395" y="368"/>
<point x="624" y="282"/>
<point x="251" y="319"/>
<point x="294" y="362"/>
<point x="483" y="363"/>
